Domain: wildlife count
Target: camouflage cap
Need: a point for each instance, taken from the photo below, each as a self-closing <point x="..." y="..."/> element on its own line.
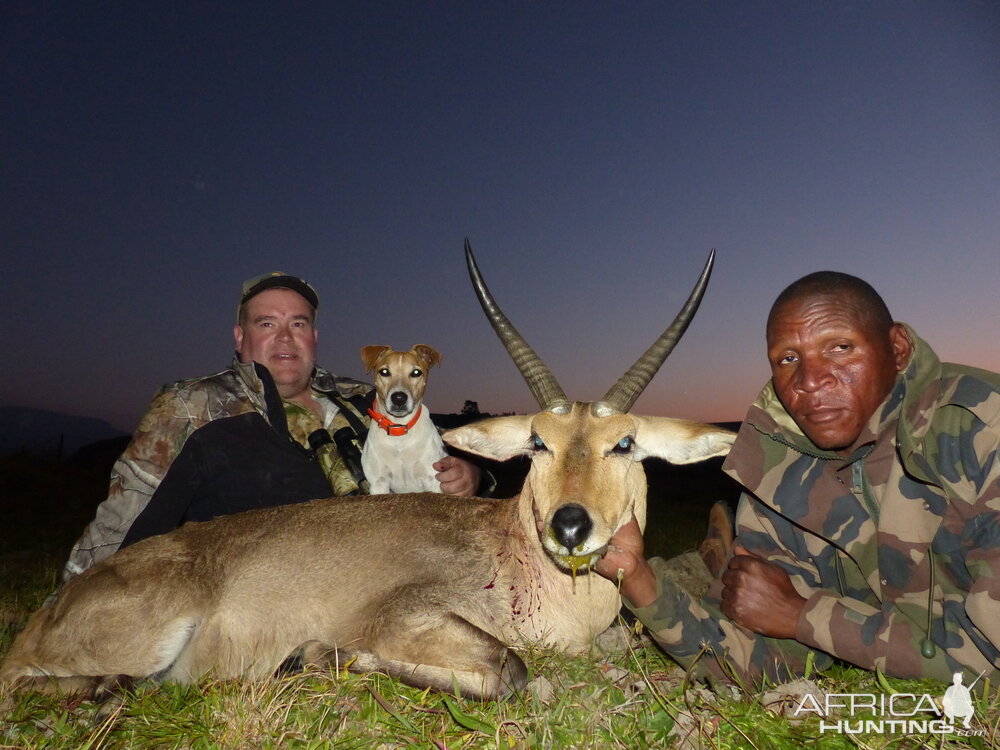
<point x="256" y="285"/>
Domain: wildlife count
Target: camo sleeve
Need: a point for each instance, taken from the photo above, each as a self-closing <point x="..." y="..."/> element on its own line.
<point x="134" y="478"/>
<point x="696" y="634"/>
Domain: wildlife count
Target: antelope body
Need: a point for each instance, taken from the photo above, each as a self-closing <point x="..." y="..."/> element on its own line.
<point x="433" y="590"/>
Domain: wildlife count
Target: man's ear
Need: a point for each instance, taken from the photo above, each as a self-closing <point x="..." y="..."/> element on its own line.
<point x="902" y="347"/>
<point x="238" y="337"/>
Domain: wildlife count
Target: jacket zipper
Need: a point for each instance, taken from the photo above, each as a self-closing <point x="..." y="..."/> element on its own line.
<point x="863" y="490"/>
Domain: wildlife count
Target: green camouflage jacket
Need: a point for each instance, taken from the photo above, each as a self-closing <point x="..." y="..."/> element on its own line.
<point x="231" y="426"/>
<point x="911" y="518"/>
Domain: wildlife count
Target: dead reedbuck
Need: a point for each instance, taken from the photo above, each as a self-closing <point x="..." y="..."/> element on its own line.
<point x="431" y="589"/>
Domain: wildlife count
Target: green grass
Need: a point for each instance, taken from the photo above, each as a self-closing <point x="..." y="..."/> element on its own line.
<point x="631" y="698"/>
<point x="634" y="699"/>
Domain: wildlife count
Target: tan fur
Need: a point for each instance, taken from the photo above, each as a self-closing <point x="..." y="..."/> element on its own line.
<point x="424" y="587"/>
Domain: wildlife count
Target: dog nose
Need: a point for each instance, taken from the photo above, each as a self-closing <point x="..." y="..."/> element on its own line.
<point x="571" y="525"/>
<point x="398" y="398"/>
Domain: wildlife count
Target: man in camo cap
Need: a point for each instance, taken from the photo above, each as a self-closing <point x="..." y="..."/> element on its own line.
<point x="269" y="430"/>
<point x="869" y="529"/>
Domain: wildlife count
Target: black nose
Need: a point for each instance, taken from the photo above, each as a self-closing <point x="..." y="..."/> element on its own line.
<point x="398" y="398"/>
<point x="571" y="525"/>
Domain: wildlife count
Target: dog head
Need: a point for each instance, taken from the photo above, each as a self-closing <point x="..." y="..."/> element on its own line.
<point x="399" y="377"/>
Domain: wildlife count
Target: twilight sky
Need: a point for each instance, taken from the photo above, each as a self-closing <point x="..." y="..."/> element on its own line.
<point x="155" y="154"/>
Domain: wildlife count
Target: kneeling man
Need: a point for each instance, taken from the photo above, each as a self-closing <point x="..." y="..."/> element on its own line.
<point x="869" y="529"/>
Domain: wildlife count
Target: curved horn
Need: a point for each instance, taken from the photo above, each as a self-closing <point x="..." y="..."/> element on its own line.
<point x="631" y="385"/>
<point x="542" y="383"/>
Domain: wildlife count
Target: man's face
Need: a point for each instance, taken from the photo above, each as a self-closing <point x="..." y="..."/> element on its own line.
<point x="830" y="369"/>
<point x="277" y="331"/>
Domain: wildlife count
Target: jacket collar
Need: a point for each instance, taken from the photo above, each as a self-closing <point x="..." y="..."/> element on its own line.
<point x="924" y="380"/>
<point x="251" y="380"/>
<point x="260" y="388"/>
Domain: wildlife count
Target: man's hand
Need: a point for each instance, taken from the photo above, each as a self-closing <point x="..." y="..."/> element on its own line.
<point x="625" y="554"/>
<point x="759" y="595"/>
<point x="457" y="476"/>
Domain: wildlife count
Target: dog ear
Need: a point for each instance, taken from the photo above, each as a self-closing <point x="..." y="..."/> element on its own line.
<point x="427" y="354"/>
<point x="371" y="354"/>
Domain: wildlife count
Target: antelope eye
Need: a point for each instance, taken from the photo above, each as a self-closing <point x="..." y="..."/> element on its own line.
<point x="384" y="372"/>
<point x="624" y="445"/>
<point x="416" y="373"/>
<point x="537" y="443"/>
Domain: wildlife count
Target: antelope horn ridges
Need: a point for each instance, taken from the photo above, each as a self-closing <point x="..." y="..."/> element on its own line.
<point x="540" y="380"/>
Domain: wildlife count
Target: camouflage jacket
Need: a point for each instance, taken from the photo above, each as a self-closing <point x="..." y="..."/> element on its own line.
<point x="910" y="519"/>
<point x="210" y="446"/>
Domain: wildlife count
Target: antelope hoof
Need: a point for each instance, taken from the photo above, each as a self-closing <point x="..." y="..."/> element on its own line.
<point x="110" y="692"/>
<point x="513" y="675"/>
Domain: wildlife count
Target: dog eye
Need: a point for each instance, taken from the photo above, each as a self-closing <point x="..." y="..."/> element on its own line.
<point x="624" y="445"/>
<point x="384" y="372"/>
<point x="416" y="373"/>
<point x="537" y="443"/>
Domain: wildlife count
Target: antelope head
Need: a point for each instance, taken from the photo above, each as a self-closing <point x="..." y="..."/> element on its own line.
<point x="585" y="479"/>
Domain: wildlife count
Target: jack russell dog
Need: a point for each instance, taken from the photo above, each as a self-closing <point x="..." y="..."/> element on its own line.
<point x="402" y="442"/>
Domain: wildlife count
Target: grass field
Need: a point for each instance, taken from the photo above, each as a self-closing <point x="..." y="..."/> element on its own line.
<point x="625" y="694"/>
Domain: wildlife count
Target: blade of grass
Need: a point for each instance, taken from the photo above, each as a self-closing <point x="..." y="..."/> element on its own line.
<point x="406" y="723"/>
<point x="466" y="720"/>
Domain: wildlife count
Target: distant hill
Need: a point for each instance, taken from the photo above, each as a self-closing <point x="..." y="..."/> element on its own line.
<point x="47" y="433"/>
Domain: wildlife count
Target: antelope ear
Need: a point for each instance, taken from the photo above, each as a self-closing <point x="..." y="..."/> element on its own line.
<point x="498" y="438"/>
<point x="680" y="441"/>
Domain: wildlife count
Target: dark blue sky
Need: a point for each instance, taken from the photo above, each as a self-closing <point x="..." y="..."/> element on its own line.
<point x="153" y="155"/>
